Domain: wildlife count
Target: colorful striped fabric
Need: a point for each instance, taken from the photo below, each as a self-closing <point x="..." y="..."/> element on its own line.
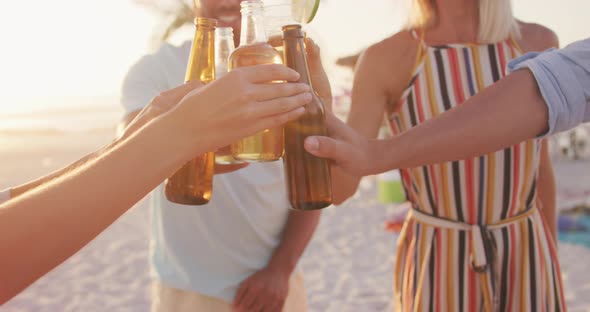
<point x="433" y="270"/>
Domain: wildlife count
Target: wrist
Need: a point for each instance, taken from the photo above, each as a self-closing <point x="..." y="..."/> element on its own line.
<point x="382" y="161"/>
<point x="185" y="133"/>
<point x="163" y="135"/>
<point x="281" y="266"/>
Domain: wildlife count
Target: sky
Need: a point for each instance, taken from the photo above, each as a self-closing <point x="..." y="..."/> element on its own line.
<point x="59" y="50"/>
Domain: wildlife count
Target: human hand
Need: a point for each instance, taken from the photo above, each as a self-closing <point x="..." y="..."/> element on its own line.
<point x="241" y="103"/>
<point x="349" y="151"/>
<point x="158" y="106"/>
<point x="319" y="78"/>
<point x="266" y="291"/>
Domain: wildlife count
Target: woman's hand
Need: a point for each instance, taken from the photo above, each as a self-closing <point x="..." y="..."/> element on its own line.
<point x="240" y="104"/>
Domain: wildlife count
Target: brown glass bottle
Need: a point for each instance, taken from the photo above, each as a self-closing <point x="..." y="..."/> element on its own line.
<point x="193" y="183"/>
<point x="309" y="185"/>
<point x="266" y="145"/>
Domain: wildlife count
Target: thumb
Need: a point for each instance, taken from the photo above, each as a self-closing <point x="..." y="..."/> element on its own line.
<point x="325" y="147"/>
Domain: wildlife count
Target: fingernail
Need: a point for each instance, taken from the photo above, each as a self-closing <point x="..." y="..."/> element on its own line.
<point x="307" y="97"/>
<point x="312" y="144"/>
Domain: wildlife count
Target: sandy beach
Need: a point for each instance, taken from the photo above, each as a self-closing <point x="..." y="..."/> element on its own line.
<point x="347" y="267"/>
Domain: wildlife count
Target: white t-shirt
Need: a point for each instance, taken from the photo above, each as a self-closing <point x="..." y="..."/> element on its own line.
<point x="208" y="249"/>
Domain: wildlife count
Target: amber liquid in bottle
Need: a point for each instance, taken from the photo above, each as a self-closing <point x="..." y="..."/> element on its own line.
<point x="309" y="185"/>
<point x="266" y="145"/>
<point x="193" y="183"/>
<point x="276" y="42"/>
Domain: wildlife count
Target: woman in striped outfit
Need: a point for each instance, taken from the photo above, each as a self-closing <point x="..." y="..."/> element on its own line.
<point x="481" y="234"/>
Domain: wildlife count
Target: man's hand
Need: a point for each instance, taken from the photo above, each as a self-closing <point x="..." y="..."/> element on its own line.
<point x="348" y="149"/>
<point x="264" y="291"/>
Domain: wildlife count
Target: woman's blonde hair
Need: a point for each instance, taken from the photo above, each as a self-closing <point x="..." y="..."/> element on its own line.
<point x="496" y="21"/>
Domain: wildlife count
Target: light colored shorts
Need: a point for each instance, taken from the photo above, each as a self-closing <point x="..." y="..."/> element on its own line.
<point x="168" y="299"/>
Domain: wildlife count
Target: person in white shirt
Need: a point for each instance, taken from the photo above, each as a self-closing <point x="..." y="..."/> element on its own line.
<point x="50" y="219"/>
<point x="240" y="250"/>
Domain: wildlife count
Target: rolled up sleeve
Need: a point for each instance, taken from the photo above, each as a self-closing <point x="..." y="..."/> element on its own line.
<point x="563" y="77"/>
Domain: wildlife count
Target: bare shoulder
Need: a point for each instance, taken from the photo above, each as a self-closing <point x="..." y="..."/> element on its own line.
<point x="390" y="61"/>
<point x="398" y="48"/>
<point x="535" y="37"/>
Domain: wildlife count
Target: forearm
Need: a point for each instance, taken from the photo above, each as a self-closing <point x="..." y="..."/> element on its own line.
<point x="80" y="204"/>
<point x="510" y="111"/>
<point x="21" y="189"/>
<point x="297" y="233"/>
<point x="343" y="186"/>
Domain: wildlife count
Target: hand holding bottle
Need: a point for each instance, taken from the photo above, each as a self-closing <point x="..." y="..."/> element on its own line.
<point x="252" y="105"/>
<point x="350" y="152"/>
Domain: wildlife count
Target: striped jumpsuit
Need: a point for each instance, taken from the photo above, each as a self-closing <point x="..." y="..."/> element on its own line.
<point x="474" y="240"/>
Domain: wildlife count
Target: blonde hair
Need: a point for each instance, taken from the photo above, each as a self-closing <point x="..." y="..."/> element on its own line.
<point x="496" y="21"/>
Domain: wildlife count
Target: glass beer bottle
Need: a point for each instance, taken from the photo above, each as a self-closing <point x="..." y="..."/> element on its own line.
<point x="266" y="145"/>
<point x="309" y="185"/>
<point x="193" y="183"/>
<point x="224" y="46"/>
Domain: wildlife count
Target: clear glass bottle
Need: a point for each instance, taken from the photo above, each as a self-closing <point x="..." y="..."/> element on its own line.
<point x="266" y="145"/>
<point x="224" y="46"/>
<point x="193" y="183"/>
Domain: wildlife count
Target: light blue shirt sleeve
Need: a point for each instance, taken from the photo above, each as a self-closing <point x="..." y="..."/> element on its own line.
<point x="563" y="76"/>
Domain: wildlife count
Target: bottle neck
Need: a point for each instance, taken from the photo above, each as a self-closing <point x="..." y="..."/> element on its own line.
<point x="296" y="58"/>
<point x="201" y="63"/>
<point x="252" y="26"/>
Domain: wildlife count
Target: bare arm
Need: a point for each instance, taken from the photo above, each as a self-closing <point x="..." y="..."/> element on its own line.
<point x="365" y="116"/>
<point x="42" y="228"/>
<point x="469" y="130"/>
<point x="21" y="189"/>
<point x="298" y="231"/>
<point x="546" y="191"/>
<point x="154" y="109"/>
<point x="473" y="128"/>
<point x="378" y="81"/>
